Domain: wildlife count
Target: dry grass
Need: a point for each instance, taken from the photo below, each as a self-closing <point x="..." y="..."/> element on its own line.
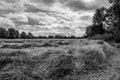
<point x="76" y="63"/>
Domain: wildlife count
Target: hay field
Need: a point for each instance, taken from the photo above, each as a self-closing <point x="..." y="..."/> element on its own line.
<point x="59" y="60"/>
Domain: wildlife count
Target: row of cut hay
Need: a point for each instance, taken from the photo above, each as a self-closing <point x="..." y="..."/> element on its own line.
<point x="27" y="45"/>
<point x="55" y="64"/>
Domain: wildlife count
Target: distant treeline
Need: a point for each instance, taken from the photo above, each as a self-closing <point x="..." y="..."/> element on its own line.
<point x="106" y="23"/>
<point x="12" y="33"/>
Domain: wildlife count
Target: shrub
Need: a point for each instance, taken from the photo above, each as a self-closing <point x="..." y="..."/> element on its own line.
<point x="105" y="37"/>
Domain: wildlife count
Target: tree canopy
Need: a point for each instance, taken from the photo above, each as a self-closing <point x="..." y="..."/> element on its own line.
<point x="106" y="20"/>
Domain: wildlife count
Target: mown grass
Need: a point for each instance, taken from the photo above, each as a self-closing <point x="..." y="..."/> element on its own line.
<point x="54" y="64"/>
<point x="31" y="44"/>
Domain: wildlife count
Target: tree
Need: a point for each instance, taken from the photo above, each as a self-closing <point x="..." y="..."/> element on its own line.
<point x="30" y="35"/>
<point x="2" y="33"/>
<point x="7" y="34"/>
<point x="73" y="37"/>
<point x="50" y="36"/>
<point x="113" y="1"/>
<point x="94" y="30"/>
<point x="99" y="16"/>
<point x="23" y="35"/>
<point x="12" y="33"/>
<point x="115" y="11"/>
<point x="106" y="21"/>
<point x="16" y="34"/>
<point x="98" y="22"/>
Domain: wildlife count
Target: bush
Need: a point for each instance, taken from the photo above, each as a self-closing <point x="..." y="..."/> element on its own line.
<point x="105" y="37"/>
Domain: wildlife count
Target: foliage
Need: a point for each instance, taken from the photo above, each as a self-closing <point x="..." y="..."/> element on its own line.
<point x="23" y="35"/>
<point x="2" y="33"/>
<point x="30" y="35"/>
<point x="94" y="30"/>
<point x="11" y="33"/>
<point x="106" y="23"/>
<point x="99" y="16"/>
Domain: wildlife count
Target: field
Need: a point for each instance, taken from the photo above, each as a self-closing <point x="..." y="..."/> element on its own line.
<point x="54" y="59"/>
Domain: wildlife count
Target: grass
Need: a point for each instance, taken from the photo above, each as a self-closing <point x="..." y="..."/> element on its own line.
<point x="22" y="45"/>
<point x="75" y="63"/>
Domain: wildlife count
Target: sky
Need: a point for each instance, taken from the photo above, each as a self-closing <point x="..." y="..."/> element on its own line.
<point x="49" y="17"/>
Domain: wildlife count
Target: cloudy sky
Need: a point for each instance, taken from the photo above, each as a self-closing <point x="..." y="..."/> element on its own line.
<point x="49" y="17"/>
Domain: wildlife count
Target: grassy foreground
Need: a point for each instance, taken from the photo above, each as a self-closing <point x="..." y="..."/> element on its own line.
<point x="58" y="60"/>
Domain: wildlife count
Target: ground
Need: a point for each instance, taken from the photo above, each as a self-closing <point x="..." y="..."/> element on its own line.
<point x="68" y="59"/>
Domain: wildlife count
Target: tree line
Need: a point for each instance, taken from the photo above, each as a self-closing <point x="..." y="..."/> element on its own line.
<point x="106" y="23"/>
<point x="12" y="33"/>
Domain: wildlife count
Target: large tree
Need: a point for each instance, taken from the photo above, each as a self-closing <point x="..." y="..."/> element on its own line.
<point x="98" y="20"/>
<point x="115" y="12"/>
<point x="2" y="32"/>
<point x="23" y="35"/>
<point x="99" y="16"/>
<point x="30" y="35"/>
<point x="94" y="30"/>
<point x="12" y="33"/>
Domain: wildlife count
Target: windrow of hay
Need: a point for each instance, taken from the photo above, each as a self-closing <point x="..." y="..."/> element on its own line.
<point x="27" y="45"/>
<point x="55" y="64"/>
<point x="23" y="45"/>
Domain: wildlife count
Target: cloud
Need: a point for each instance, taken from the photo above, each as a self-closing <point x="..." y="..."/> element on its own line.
<point x="10" y="1"/>
<point x="4" y="22"/>
<point x="31" y="8"/>
<point x="46" y="2"/>
<point x="86" y="17"/>
<point x="17" y="17"/>
<point x="78" y="5"/>
<point x="64" y="17"/>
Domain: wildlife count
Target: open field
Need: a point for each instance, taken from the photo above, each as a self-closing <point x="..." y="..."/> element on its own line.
<point x="59" y="60"/>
